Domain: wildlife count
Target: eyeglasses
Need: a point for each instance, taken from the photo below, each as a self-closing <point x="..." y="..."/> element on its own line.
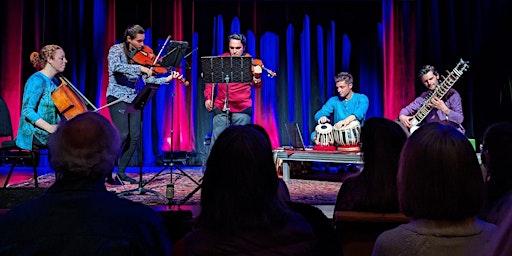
<point x="232" y="48"/>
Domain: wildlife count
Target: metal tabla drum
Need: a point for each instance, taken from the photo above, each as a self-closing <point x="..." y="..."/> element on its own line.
<point x="324" y="136"/>
<point x="348" y="137"/>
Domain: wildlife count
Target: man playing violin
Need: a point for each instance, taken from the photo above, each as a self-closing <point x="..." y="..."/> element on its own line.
<point x="123" y="82"/>
<point x="239" y="103"/>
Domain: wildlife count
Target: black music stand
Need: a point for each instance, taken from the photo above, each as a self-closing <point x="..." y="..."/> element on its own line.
<point x="138" y="104"/>
<point x="229" y="69"/>
<point x="170" y="192"/>
<point x="172" y="58"/>
<point x="175" y="53"/>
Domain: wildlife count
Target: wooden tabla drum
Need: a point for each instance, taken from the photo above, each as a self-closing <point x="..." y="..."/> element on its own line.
<point x="324" y="139"/>
<point x="348" y="137"/>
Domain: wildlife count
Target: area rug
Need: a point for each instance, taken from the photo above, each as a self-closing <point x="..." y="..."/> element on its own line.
<point x="187" y="188"/>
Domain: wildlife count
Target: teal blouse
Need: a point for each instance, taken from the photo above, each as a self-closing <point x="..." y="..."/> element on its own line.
<point x="37" y="103"/>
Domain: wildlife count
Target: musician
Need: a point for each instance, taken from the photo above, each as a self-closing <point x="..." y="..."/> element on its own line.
<point x="123" y="84"/>
<point x="447" y="110"/>
<point x="39" y="115"/>
<point x="346" y="107"/>
<point x="239" y="102"/>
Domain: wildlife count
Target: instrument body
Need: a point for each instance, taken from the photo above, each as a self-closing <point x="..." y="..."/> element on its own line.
<point x="348" y="137"/>
<point x="440" y="91"/>
<point x="258" y="62"/>
<point x="69" y="100"/>
<point x="147" y="58"/>
<point x="324" y="140"/>
<point x="324" y="135"/>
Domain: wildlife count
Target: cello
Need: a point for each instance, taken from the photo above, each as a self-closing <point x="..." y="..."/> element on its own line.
<point x="69" y="100"/>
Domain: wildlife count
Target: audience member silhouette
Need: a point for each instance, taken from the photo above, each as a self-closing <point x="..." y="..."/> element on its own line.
<point x="282" y="191"/>
<point x="77" y="215"/>
<point x="321" y="224"/>
<point x="241" y="213"/>
<point x="497" y="161"/>
<point x="500" y="244"/>
<point x="440" y="187"/>
<point x="375" y="189"/>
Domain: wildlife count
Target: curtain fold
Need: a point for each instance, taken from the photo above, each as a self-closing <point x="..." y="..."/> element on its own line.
<point x="266" y="107"/>
<point x="398" y="62"/>
<point x="11" y="60"/>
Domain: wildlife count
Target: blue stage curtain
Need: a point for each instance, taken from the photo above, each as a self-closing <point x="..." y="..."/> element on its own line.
<point x="265" y="99"/>
<point x="305" y="76"/>
<point x="331" y="60"/>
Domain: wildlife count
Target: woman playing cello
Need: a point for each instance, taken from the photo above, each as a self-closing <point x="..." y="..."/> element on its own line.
<point x="124" y="75"/>
<point x="39" y="116"/>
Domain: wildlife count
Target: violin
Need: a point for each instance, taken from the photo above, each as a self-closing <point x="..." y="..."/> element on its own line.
<point x="147" y="58"/>
<point x="258" y="62"/>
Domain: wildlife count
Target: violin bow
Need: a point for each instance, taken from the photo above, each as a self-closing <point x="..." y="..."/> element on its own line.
<point x="161" y="49"/>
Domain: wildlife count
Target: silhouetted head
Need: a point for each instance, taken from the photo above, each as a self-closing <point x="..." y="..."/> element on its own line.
<point x="497" y="158"/>
<point x="240" y="183"/>
<point x="85" y="146"/>
<point x="382" y="140"/>
<point x="439" y="177"/>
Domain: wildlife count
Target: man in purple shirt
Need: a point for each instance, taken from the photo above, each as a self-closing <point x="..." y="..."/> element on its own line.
<point x="447" y="109"/>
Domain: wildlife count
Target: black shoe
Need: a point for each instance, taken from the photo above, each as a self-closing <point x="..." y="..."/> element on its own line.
<point x="112" y="181"/>
<point x="124" y="177"/>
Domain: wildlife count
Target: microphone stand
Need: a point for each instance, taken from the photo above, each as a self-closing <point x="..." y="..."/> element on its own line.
<point x="226" y="101"/>
<point x="169" y="191"/>
<point x="173" y="58"/>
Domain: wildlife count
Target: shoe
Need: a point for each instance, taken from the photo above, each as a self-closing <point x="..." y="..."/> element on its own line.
<point x="124" y="177"/>
<point x="112" y="181"/>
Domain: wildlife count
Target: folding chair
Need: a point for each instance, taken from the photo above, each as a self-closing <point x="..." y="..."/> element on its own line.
<point x="9" y="150"/>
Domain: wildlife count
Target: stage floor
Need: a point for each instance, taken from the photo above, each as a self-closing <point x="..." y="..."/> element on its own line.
<point x="321" y="193"/>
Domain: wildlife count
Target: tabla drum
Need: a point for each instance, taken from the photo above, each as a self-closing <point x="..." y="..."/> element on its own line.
<point x="348" y="137"/>
<point x="324" y="139"/>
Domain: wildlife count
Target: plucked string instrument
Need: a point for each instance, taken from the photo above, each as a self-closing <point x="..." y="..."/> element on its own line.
<point x="440" y="91"/>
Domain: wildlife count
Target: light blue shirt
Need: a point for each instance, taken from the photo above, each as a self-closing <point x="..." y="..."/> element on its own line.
<point x="341" y="109"/>
<point x="357" y="106"/>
